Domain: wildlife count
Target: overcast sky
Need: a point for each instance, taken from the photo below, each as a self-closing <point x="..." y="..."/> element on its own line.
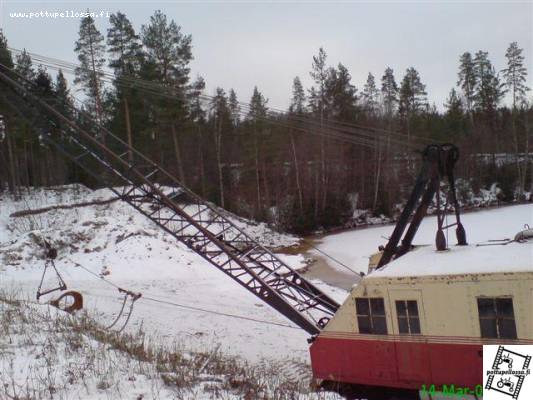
<point x="240" y="44"/>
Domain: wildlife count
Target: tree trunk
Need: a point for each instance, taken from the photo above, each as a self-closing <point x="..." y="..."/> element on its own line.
<point x="297" y="173"/>
<point x="362" y="175"/>
<point x="388" y="164"/>
<point x="218" y="145"/>
<point x="323" y="145"/>
<point x="202" y="163"/>
<point x="128" y="129"/>
<point x="410" y="167"/>
<point x="33" y="169"/>
<point x="316" y="173"/>
<point x="265" y="185"/>
<point x="4" y="174"/>
<point x="26" y="165"/>
<point x="177" y="153"/>
<point x="527" y="161"/>
<point x="97" y="99"/>
<point x="11" y="159"/>
<point x="378" y="174"/>
<point x="517" y="155"/>
<point x="257" y="174"/>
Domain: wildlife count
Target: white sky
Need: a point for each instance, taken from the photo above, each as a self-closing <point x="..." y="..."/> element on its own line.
<point x="240" y="44"/>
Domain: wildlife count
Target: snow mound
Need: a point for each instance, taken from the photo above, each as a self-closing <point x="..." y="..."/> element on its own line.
<point x="114" y="241"/>
<point x="91" y="229"/>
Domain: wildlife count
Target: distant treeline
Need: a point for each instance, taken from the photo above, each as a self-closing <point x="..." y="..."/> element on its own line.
<point x="292" y="167"/>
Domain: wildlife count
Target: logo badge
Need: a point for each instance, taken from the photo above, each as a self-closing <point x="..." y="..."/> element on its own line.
<point x="506" y="371"/>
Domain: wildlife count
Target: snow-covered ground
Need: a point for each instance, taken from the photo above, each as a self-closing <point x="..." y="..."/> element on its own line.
<point x="353" y="248"/>
<point x="48" y="354"/>
<point x="115" y="240"/>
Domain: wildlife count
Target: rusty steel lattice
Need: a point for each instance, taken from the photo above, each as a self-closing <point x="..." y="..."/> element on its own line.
<point x="188" y="218"/>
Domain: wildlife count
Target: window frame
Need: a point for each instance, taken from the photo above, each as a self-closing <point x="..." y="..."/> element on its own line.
<point x="497" y="317"/>
<point x="408" y="317"/>
<point x="372" y="317"/>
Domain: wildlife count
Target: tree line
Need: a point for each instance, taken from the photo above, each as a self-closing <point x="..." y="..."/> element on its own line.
<point x="258" y="162"/>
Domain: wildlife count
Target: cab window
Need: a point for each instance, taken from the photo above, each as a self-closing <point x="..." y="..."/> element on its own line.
<point x="408" y="319"/>
<point x="496" y="317"/>
<point x="371" y="315"/>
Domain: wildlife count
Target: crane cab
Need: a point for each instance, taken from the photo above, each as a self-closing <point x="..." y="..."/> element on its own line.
<point x="423" y="318"/>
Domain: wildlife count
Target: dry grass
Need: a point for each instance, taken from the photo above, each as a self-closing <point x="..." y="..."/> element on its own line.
<point x="47" y="354"/>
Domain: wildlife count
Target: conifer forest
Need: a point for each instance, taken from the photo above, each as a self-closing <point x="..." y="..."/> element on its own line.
<point x="336" y="148"/>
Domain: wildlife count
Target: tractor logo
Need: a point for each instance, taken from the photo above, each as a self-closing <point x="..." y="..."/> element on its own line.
<point x="508" y="372"/>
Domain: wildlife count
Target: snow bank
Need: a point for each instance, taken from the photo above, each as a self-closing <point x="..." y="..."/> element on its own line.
<point x="138" y="256"/>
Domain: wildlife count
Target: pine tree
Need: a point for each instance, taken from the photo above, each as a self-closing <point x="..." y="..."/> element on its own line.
<point x="371" y="106"/>
<point x="453" y="104"/>
<point x="50" y="126"/>
<point x="297" y="105"/>
<point x="319" y="105"/>
<point x="514" y="81"/>
<point x="126" y="58"/>
<point x="412" y="98"/>
<point x="515" y="74"/>
<point x="341" y="94"/>
<point x="317" y="95"/>
<point x="197" y="113"/>
<point x="255" y="116"/>
<point x="90" y="48"/>
<point x="258" y="106"/>
<point x="62" y="94"/>
<point x="43" y="81"/>
<point x="219" y="105"/>
<point x="220" y="115"/>
<point x="8" y="172"/>
<point x="389" y="92"/>
<point x="124" y="46"/>
<point x="488" y="90"/>
<point x="234" y="108"/>
<point x="168" y="50"/>
<point x="455" y="117"/>
<point x="467" y="80"/>
<point x="371" y="95"/>
<point x="5" y="55"/>
<point x="61" y="87"/>
<point x="389" y="95"/>
<point x="168" y="54"/>
<point x="24" y="67"/>
<point x="412" y="93"/>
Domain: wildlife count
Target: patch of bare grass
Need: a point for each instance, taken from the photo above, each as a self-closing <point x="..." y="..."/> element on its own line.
<point x="46" y="354"/>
